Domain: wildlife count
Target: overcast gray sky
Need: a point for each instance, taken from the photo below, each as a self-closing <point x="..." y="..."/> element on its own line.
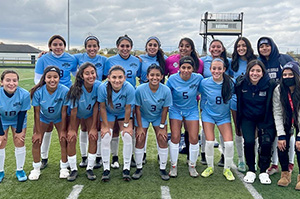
<point x="35" y="21"/>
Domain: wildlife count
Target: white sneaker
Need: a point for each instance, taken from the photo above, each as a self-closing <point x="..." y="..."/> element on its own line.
<point x="34" y="174"/>
<point x="63" y="173"/>
<point x="173" y="171"/>
<point x="193" y="172"/>
<point x="264" y="178"/>
<point x="115" y="165"/>
<point x="250" y="177"/>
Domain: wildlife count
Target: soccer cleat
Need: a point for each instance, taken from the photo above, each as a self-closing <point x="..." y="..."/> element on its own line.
<point x="115" y="162"/>
<point x="164" y="175"/>
<point x="144" y="158"/>
<point x="83" y="162"/>
<point x="203" y="159"/>
<point x="44" y="163"/>
<point x="228" y="174"/>
<point x="291" y="167"/>
<point x="207" y="172"/>
<point x="73" y="175"/>
<point x="63" y="173"/>
<point x="98" y="163"/>
<point x="90" y="174"/>
<point x="221" y="162"/>
<point x="241" y="167"/>
<point x="193" y="172"/>
<point x="272" y="169"/>
<point x="173" y="171"/>
<point x="105" y="176"/>
<point x="34" y="174"/>
<point x="126" y="175"/>
<point x="21" y="175"/>
<point x="137" y="174"/>
<point x="132" y="163"/>
<point x="1" y="176"/>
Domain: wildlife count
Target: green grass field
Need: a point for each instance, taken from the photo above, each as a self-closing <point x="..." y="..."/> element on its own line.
<point x="149" y="186"/>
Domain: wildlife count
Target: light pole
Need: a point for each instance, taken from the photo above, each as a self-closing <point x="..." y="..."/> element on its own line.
<point x="68" y="25"/>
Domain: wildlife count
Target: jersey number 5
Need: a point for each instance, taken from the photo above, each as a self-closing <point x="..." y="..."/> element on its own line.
<point x="184" y="95"/>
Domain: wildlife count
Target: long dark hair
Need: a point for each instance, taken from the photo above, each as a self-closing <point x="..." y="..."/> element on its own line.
<point x="288" y="114"/>
<point x="235" y="55"/>
<point x="226" y="85"/>
<point x="223" y="54"/>
<point x="42" y="80"/>
<point x="194" y="54"/>
<point x="160" y="53"/>
<point x="109" y="86"/>
<point x="76" y="89"/>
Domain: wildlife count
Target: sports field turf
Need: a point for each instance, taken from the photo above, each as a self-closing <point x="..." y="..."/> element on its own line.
<point x="149" y="186"/>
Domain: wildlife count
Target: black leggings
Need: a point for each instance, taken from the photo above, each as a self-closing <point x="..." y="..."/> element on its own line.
<point x="265" y="138"/>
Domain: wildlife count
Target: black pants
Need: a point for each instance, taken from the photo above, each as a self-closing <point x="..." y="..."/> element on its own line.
<point x="284" y="155"/>
<point x="265" y="137"/>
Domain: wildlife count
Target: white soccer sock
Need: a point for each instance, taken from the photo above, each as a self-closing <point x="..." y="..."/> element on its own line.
<point x="163" y="157"/>
<point x="114" y="146"/>
<point x="146" y="141"/>
<point x="105" y="150"/>
<point x="203" y="141"/>
<point x="139" y="153"/>
<point x="91" y="161"/>
<point x="20" y="153"/>
<point x="221" y="142"/>
<point x="46" y="145"/>
<point x="174" y="151"/>
<point x="209" y="153"/>
<point x="194" y="152"/>
<point x="274" y="159"/>
<point x="2" y="159"/>
<point x="36" y="165"/>
<point x="239" y="143"/>
<point x="63" y="165"/>
<point x="83" y="143"/>
<point x="228" y="154"/>
<point x="73" y="162"/>
<point x="127" y="150"/>
<point x="98" y="153"/>
<point x="292" y="150"/>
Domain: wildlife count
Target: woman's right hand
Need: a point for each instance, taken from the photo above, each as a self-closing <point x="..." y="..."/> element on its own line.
<point x="281" y="144"/>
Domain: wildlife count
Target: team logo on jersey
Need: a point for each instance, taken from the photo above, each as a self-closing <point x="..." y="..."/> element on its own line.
<point x="122" y="97"/>
<point x="175" y="64"/>
<point x="244" y="91"/>
<point x="58" y="100"/>
<point x="193" y="86"/>
<point x="66" y="65"/>
<point x="17" y="104"/>
<point x="262" y="93"/>
<point x="98" y="65"/>
<point x="134" y="65"/>
<point x="161" y="100"/>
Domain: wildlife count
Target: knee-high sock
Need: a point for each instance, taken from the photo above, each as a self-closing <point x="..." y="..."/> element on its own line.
<point x="63" y="165"/>
<point x="146" y="141"/>
<point x="127" y="150"/>
<point x="98" y="153"/>
<point x="163" y="157"/>
<point x="239" y="143"/>
<point x="133" y="141"/>
<point x="83" y="143"/>
<point x="194" y="152"/>
<point x="2" y="159"/>
<point x="91" y="161"/>
<point x="228" y="154"/>
<point x="20" y="153"/>
<point x="274" y="159"/>
<point x="46" y="145"/>
<point x="105" y="150"/>
<point x="209" y="153"/>
<point x="139" y="153"/>
<point x="114" y="146"/>
<point x="73" y="162"/>
<point x="174" y="151"/>
<point x="292" y="150"/>
<point x="221" y="143"/>
<point x="203" y="141"/>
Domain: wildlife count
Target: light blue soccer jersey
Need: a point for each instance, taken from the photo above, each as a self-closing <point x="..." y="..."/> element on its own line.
<point x="146" y="62"/>
<point x="207" y="62"/>
<point x="66" y="63"/>
<point x="50" y="104"/>
<point x="120" y="99"/>
<point x="242" y="68"/>
<point x="86" y="102"/>
<point x="132" y="67"/>
<point x="184" y="93"/>
<point x="10" y="107"/>
<point x="151" y="103"/>
<point x="98" y="61"/>
<point x="211" y="99"/>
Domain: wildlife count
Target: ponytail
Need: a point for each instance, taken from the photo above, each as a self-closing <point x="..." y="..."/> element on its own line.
<point x="226" y="88"/>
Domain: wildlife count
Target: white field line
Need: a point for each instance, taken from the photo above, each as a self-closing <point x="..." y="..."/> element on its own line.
<point x="75" y="192"/>
<point x="165" y="192"/>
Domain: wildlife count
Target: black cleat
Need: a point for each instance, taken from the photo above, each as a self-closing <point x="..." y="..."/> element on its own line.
<point x="73" y="175"/>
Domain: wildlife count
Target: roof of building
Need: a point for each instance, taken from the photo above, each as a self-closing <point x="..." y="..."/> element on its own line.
<point x="17" y="48"/>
